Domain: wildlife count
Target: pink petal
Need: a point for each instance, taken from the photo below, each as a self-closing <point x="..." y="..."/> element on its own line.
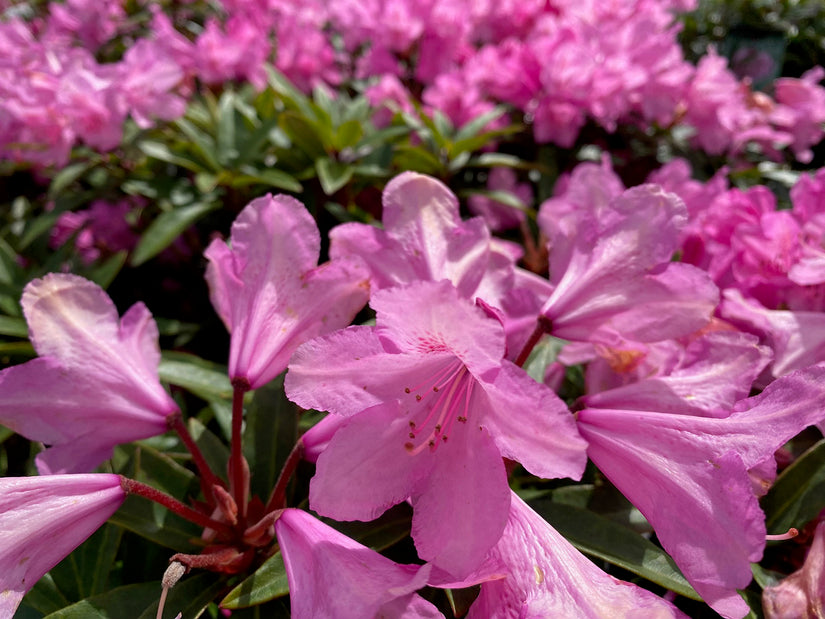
<point x="366" y="469"/>
<point x="269" y="292"/>
<point x="331" y="575"/>
<point x="42" y="519"/>
<point x="460" y="509"/>
<point x="531" y="425"/>
<point x="548" y="577"/>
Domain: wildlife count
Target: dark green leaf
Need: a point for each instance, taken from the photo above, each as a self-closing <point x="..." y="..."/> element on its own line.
<point x="203" y="378"/>
<point x="159" y="150"/>
<point x="227" y="150"/>
<point x="212" y="448"/>
<point x="303" y="134"/>
<point x="271" y="176"/>
<point x="332" y="174"/>
<point x="37" y="227"/>
<point x="765" y="578"/>
<point x="166" y="228"/>
<point x="267" y="583"/>
<point x="389" y="528"/>
<point x="85" y="572"/>
<point x="155" y="523"/>
<point x="189" y="597"/>
<point x="202" y="143"/>
<point x="67" y="176"/>
<point x="798" y="494"/>
<point x="611" y="542"/>
<point x="270" y="434"/>
<point x="472" y="127"/>
<point x="14" y="327"/>
<point x="128" y="601"/>
<point x="45" y="596"/>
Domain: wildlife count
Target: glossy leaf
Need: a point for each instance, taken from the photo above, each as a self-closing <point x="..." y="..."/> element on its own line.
<point x="85" y="572"/>
<point x="166" y="228"/>
<point x="203" y="378"/>
<point x="267" y="583"/>
<point x="332" y="174"/>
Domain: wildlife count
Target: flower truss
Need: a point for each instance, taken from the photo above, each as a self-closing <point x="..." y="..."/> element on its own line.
<point x="438" y="406"/>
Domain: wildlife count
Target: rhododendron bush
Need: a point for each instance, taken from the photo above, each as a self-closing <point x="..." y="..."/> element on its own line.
<point x="387" y="308"/>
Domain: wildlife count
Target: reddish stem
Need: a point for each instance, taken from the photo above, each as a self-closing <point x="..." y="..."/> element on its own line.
<point x="130" y="486"/>
<point x="238" y="468"/>
<point x="277" y="500"/>
<point x="543" y="325"/>
<point x="208" y="477"/>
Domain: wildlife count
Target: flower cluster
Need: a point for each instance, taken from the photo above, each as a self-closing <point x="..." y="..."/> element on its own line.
<point x="558" y="65"/>
<point x="431" y="406"/>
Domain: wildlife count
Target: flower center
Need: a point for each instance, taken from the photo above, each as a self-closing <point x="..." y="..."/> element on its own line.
<point x="441" y="400"/>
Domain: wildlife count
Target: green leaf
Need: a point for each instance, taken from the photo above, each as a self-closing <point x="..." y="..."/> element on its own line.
<point x="45" y="596"/>
<point x="67" y="176"/>
<point x="202" y="143"/>
<point x="798" y="494"/>
<point x="203" y="378"/>
<point x="418" y="159"/>
<point x="388" y="529"/>
<point x="348" y="134"/>
<point x="270" y="434"/>
<point x="190" y="596"/>
<point x="227" y="150"/>
<point x="271" y="177"/>
<point x="303" y="134"/>
<point x="542" y="355"/>
<point x="611" y="542"/>
<point x="14" y="327"/>
<point x="159" y="150"/>
<point x="86" y="570"/>
<point x="214" y="451"/>
<point x="128" y="601"/>
<point x="267" y="583"/>
<point x="166" y="228"/>
<point x="472" y="127"/>
<point x="332" y="174"/>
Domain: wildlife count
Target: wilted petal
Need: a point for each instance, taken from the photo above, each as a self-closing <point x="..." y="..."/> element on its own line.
<point x="42" y="519"/>
<point x="331" y="575"/>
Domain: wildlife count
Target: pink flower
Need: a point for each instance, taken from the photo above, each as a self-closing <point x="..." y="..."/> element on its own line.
<point x="95" y="384"/>
<point x="500" y="216"/>
<point x="545" y="576"/>
<point x="269" y="292"/>
<point x="432" y="409"/>
<point x="424" y="238"/>
<point x="331" y="575"/>
<point x="42" y="519"/>
<point x="802" y="594"/>
<point x="610" y="264"/>
<point x="689" y="476"/>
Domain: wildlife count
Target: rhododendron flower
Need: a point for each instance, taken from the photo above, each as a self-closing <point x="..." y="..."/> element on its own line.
<point x="95" y="384"/>
<point x="331" y="575"/>
<point x="42" y="519"/>
<point x="802" y="594"/>
<point x="547" y="577"/>
<point x="689" y="477"/>
<point x="611" y="267"/>
<point x="424" y="238"/>
<point x="269" y="292"/>
<point x="433" y="407"/>
<point x="796" y="338"/>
